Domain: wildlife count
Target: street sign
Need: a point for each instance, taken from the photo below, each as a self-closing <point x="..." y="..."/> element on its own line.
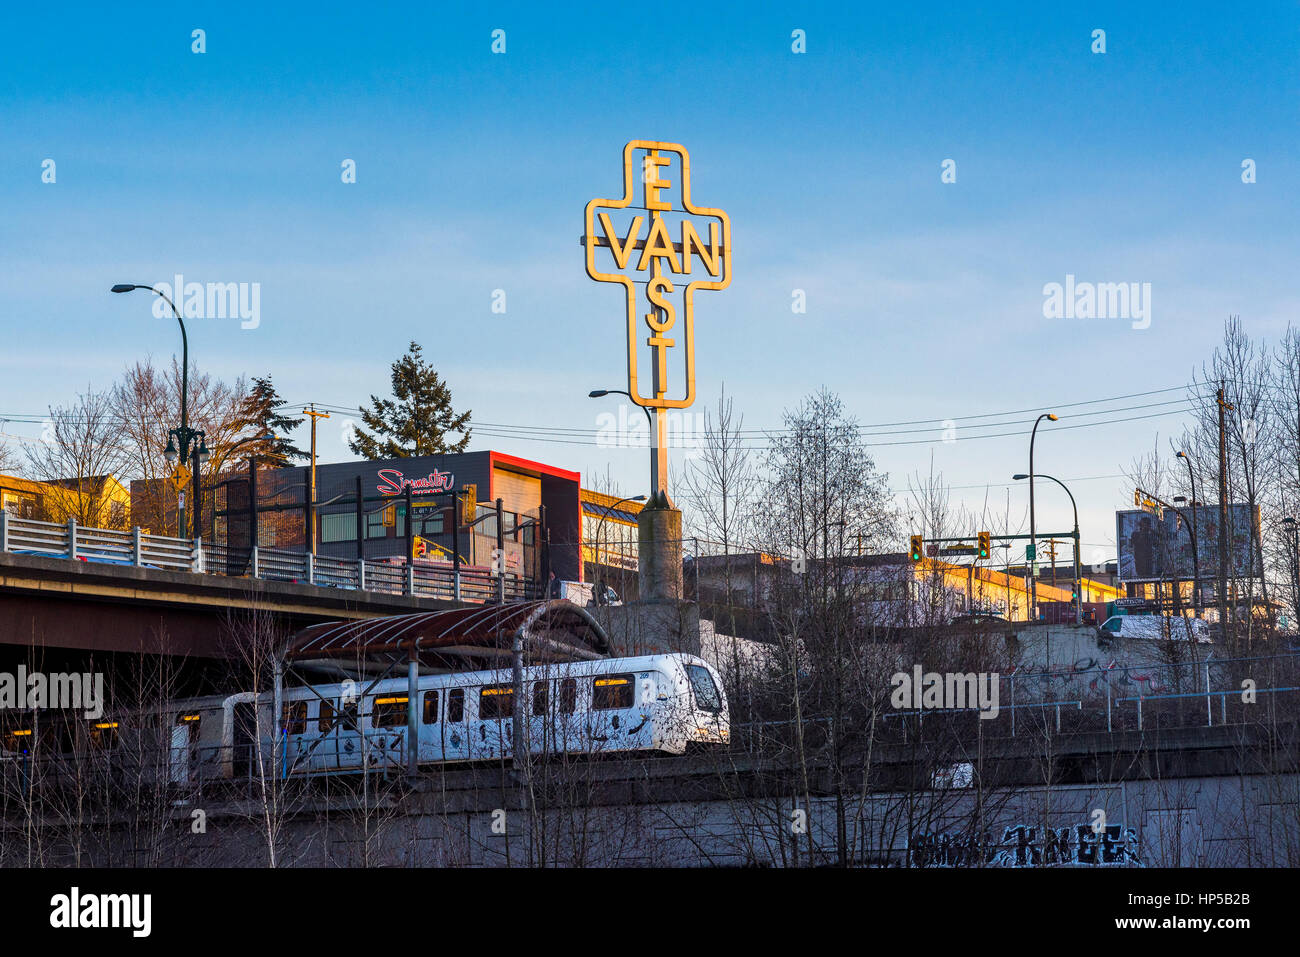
<point x="1031" y="553"/>
<point x="181" y="477"/>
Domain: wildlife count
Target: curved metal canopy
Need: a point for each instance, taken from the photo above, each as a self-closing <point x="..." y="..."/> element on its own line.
<point x="554" y="629"/>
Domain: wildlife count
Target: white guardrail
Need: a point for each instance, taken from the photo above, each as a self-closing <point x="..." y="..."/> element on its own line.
<point x="22" y="536"/>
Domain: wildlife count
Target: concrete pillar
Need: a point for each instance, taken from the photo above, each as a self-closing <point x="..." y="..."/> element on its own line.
<point x="659" y="548"/>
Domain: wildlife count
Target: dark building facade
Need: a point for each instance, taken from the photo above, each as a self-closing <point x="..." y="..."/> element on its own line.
<point x="362" y="511"/>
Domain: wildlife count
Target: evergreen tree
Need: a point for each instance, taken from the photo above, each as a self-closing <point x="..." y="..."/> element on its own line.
<point x="259" y="414"/>
<point x="417" y="420"/>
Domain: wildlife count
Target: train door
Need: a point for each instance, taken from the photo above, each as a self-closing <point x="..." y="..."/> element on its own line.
<point x="455" y="734"/>
<point x="538" y="716"/>
<point x="179" y="757"/>
<point x="612" y="700"/>
<point x="244" y="739"/>
<point x="386" y="743"/>
<point x="293" y="733"/>
<point x="495" y="726"/>
<point x="567" y="721"/>
<point x="346" y="746"/>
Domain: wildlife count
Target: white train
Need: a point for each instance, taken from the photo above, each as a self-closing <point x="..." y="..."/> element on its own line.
<point x="668" y="703"/>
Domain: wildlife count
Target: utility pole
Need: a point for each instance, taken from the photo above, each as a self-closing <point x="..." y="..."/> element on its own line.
<point x="1223" y="517"/>
<point x="311" y="491"/>
<point x="1051" y="551"/>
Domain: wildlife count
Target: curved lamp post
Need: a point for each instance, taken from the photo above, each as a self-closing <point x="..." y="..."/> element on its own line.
<point x="1078" y="578"/>
<point x="650" y="426"/>
<point x="600" y="529"/>
<point x="179" y="440"/>
<point x="1033" y="541"/>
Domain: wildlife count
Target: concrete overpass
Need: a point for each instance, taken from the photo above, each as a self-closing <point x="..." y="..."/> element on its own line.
<point x="56" y="602"/>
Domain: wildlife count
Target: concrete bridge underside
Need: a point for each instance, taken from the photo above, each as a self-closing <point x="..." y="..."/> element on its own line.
<point x="58" y="603"/>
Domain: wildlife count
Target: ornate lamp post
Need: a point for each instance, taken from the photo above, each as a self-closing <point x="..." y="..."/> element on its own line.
<point x="183" y="443"/>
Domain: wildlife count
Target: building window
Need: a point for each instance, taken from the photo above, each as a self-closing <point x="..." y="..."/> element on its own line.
<point x="429" y="521"/>
<point x="339" y="527"/>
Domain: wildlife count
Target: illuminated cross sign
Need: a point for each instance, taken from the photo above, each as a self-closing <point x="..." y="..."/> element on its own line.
<point x="666" y="244"/>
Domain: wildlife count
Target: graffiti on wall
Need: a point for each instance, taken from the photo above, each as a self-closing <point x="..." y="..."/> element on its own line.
<point x="1028" y="845"/>
<point x="1100" y="676"/>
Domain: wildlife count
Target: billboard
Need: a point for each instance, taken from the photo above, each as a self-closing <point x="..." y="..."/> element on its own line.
<point x="1153" y="549"/>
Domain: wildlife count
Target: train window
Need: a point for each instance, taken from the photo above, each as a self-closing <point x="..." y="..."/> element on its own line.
<point x="706" y="692"/>
<point x="568" y="695"/>
<point x="431" y="707"/>
<point x="611" y="692"/>
<point x="496" y="701"/>
<point x="326" y="720"/>
<point x="295" y="717"/>
<point x="389" y="712"/>
<point x="456" y="704"/>
<point x="540" y="695"/>
<point x="191" y="720"/>
<point x="103" y="735"/>
<point x="345" y="716"/>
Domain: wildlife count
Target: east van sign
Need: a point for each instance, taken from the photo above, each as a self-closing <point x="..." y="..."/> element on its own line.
<point x="662" y="245"/>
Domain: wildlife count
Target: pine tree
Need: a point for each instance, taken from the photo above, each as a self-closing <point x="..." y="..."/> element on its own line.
<point x="259" y="414"/>
<point x="418" y="421"/>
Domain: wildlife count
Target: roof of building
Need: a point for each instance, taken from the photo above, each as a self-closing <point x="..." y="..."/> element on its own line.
<point x="602" y="505"/>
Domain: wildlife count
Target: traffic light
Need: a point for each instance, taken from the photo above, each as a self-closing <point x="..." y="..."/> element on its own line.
<point x="914" y="552"/>
<point x="471" y="502"/>
<point x="984" y="545"/>
<point x="419" y="547"/>
<point x="1137" y="497"/>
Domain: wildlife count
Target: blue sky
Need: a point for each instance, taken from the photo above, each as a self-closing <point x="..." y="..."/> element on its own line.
<point x="924" y="299"/>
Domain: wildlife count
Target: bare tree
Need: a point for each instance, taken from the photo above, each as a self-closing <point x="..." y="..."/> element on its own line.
<point x="1244" y="370"/>
<point x="77" y="459"/>
<point x="8" y="458"/>
<point x="146" y="403"/>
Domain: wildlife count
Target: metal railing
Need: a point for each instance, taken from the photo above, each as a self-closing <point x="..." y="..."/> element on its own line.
<point x="1108" y="690"/>
<point x="76" y="542"/>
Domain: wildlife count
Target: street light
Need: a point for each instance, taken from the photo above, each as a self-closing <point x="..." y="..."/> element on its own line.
<point x="1078" y="577"/>
<point x="184" y="436"/>
<point x="1196" y="552"/>
<point x="654" y="474"/>
<point x="1033" y="541"/>
<point x="600" y="529"/>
